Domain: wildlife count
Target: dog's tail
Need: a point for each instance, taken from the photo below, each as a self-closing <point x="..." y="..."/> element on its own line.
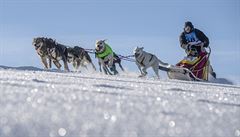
<point x="163" y="66"/>
<point x="162" y="63"/>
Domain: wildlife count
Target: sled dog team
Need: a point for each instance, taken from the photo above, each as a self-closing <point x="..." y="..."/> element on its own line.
<point x="51" y="51"/>
<point x="192" y="40"/>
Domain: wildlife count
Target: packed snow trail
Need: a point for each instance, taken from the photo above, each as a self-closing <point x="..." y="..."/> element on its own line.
<point x="42" y="104"/>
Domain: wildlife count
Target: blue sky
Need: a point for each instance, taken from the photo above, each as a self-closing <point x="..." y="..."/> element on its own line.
<point x="154" y="24"/>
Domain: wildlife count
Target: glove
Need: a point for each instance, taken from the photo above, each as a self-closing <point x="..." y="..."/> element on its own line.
<point x="201" y="44"/>
<point x="189" y="47"/>
<point x="195" y="43"/>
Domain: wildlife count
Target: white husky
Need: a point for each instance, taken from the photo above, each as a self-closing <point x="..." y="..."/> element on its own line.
<point x="144" y="60"/>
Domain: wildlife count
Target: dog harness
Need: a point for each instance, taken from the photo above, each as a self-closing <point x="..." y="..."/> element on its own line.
<point x="107" y="51"/>
<point x="141" y="62"/>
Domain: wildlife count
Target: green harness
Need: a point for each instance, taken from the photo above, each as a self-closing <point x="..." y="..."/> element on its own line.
<point x="107" y="51"/>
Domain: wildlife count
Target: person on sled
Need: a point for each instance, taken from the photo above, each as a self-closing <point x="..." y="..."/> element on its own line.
<point x="105" y="55"/>
<point x="194" y="42"/>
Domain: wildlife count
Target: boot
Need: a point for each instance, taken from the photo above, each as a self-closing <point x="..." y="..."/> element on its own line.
<point x="214" y="74"/>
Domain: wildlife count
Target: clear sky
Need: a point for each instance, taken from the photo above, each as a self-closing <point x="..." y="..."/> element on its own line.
<point x="153" y="24"/>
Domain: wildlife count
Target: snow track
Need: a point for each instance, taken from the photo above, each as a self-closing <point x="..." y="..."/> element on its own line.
<point x="42" y="104"/>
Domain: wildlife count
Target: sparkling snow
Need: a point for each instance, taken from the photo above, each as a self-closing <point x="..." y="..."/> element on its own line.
<point x="56" y="104"/>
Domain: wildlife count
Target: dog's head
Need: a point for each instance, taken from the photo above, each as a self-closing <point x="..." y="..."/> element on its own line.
<point x="100" y="45"/>
<point x="137" y="51"/>
<point x="37" y="42"/>
<point x="40" y="46"/>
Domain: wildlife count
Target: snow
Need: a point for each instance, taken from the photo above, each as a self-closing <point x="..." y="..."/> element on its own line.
<point x="37" y="103"/>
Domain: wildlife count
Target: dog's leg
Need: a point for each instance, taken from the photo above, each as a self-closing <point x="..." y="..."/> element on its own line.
<point x="93" y="66"/>
<point x="113" y="69"/>
<point x="105" y="69"/>
<point x="74" y="63"/>
<point x="108" y="72"/>
<point x="89" y="61"/>
<point x="100" y="65"/>
<point x="44" y="62"/>
<point x="144" y="71"/>
<point x="57" y="64"/>
<point x="155" y="69"/>
<point x="65" y="64"/>
<point x="82" y="63"/>
<point x="120" y="65"/>
<point x="50" y="62"/>
<point x="78" y="65"/>
<point x="104" y="66"/>
<point x="139" y="67"/>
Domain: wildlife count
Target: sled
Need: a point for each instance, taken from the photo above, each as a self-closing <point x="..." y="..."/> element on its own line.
<point x="180" y="73"/>
<point x="197" y="70"/>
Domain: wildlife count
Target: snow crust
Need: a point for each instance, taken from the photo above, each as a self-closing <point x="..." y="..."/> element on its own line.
<point x="36" y="103"/>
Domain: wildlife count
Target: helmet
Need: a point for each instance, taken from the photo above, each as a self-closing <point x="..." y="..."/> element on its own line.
<point x="188" y="23"/>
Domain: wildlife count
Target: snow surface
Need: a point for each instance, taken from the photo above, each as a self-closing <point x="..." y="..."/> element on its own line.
<point x="36" y="103"/>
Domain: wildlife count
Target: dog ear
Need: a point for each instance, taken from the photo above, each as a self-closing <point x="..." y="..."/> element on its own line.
<point x="142" y="48"/>
<point x="135" y="49"/>
<point x="104" y="40"/>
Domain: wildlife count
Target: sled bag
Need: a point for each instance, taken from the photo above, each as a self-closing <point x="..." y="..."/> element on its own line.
<point x="197" y="65"/>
